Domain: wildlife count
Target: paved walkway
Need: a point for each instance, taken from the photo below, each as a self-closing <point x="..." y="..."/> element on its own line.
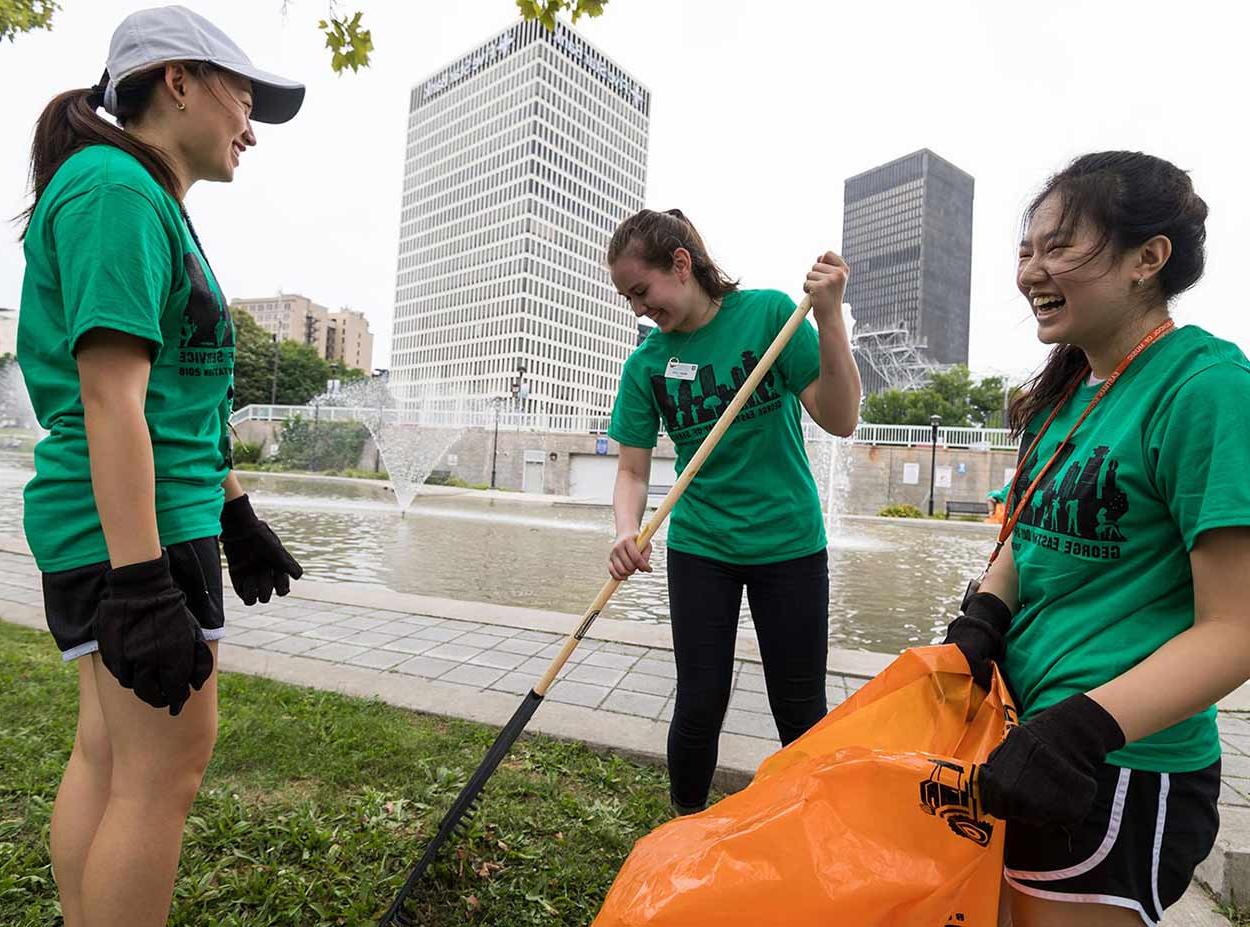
<point x="473" y="660"/>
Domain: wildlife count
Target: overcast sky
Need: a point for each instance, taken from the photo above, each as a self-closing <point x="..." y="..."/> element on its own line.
<point x="760" y="111"/>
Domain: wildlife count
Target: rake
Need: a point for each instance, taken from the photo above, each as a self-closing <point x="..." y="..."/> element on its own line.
<point x="457" y="816"/>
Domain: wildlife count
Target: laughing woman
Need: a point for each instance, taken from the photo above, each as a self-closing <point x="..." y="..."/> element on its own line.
<point x="1120" y="609"/>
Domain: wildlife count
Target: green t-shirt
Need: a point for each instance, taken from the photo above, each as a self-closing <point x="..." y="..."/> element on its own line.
<point x="1102" y="551"/>
<point x="754" y="500"/>
<point x="108" y="248"/>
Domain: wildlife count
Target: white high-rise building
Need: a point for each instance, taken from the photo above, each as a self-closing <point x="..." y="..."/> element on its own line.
<point x="522" y="158"/>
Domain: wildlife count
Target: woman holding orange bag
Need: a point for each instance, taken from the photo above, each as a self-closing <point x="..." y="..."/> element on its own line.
<point x="1115" y="612"/>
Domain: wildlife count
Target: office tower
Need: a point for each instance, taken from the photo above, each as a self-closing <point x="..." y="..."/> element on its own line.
<point x="907" y="236"/>
<point x="522" y="158"/>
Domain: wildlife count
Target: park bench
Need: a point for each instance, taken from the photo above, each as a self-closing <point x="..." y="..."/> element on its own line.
<point x="957" y="507"/>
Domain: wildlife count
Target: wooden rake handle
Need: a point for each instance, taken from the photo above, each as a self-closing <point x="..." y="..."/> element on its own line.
<point x="797" y="318"/>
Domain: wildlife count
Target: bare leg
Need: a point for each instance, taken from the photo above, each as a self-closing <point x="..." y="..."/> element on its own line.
<point x="158" y="762"/>
<point x="1004" y="905"/>
<point x="1030" y="911"/>
<point x="82" y="797"/>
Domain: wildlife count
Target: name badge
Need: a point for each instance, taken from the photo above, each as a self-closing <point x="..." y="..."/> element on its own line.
<point x="679" y="371"/>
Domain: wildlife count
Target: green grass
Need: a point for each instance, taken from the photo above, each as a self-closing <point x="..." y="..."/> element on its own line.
<point x="270" y="466"/>
<point x="252" y="467"/>
<point x="361" y="474"/>
<point x="1237" y="916"/>
<point x="316" y="804"/>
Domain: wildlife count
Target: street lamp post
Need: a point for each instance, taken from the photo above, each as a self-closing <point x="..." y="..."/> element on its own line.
<point x="520" y="389"/>
<point x="494" y="453"/>
<point x="520" y="392"/>
<point x="934" y="421"/>
<point x="273" y="390"/>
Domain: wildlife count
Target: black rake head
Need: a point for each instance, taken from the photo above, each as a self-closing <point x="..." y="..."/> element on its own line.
<point x="458" y="817"/>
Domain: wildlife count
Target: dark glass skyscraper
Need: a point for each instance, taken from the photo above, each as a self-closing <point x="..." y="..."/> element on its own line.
<point x="907" y="236"/>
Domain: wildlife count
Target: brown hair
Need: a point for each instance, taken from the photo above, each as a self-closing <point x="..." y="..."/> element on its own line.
<point x="654" y="236"/>
<point x="1128" y="197"/>
<point x="69" y="123"/>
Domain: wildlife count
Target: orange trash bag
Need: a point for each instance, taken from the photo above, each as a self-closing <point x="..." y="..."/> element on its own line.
<point x="867" y="819"/>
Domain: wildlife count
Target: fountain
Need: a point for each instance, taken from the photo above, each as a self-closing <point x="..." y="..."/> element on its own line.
<point x="17" y="418"/>
<point x="411" y="436"/>
<point x="831" y="465"/>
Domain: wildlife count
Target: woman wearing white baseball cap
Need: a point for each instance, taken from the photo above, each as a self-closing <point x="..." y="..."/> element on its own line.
<point x="127" y="348"/>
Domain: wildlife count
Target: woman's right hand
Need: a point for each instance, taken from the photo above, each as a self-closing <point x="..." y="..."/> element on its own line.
<point x="626" y="559"/>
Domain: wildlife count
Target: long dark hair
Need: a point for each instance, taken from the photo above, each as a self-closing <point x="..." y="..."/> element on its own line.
<point x="70" y="123"/>
<point x="654" y="236"/>
<point x="1128" y="197"/>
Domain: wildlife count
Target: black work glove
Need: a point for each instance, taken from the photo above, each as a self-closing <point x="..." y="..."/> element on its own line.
<point x="1043" y="771"/>
<point x="979" y="633"/>
<point x="259" y="565"/>
<point x="148" y="639"/>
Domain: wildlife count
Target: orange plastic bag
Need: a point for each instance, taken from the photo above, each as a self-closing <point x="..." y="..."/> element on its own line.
<point x="867" y="819"/>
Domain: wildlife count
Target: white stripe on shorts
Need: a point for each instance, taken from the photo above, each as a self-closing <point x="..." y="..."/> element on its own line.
<point x="1108" y="841"/>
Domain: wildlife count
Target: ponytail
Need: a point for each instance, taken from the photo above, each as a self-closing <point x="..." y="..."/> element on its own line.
<point x="70" y="123"/>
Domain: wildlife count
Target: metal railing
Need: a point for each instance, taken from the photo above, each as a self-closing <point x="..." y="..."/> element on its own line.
<point x="451" y="415"/>
<point x="867" y="433"/>
<point x="256" y="413"/>
<point x="998" y="439"/>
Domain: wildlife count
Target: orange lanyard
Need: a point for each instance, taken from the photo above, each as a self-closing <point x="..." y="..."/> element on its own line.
<point x="1010" y="523"/>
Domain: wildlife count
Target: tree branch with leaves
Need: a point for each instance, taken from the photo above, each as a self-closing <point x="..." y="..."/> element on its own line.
<point x="351" y="45"/>
<point x="18" y="16"/>
<point x="349" y="42"/>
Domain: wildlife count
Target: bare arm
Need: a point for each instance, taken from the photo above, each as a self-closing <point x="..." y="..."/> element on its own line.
<point x="832" y="399"/>
<point x="1197" y="668"/>
<point x="232" y="486"/>
<point x="113" y="371"/>
<point x="629" y="502"/>
<point x="1002" y="579"/>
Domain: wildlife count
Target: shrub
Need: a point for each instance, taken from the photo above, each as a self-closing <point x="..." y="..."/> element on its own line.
<point x="307" y="444"/>
<point x="245" y="453"/>
<point x="903" y="510"/>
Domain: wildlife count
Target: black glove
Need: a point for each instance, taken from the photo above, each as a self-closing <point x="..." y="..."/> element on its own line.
<point x="259" y="565"/>
<point x="1043" y="772"/>
<point x="148" y="639"/>
<point x="978" y="632"/>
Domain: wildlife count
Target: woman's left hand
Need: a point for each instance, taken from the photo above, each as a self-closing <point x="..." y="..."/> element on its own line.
<point x="258" y="564"/>
<point x="1044" y="770"/>
<point x="826" y="285"/>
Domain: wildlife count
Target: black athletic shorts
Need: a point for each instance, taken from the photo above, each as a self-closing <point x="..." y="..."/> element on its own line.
<point x="1138" y="848"/>
<point x="71" y="597"/>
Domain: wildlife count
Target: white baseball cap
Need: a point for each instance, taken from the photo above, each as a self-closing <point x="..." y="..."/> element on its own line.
<point x="150" y="38"/>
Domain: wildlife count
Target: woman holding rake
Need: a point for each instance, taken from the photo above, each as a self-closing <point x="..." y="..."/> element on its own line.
<point x="752" y="519"/>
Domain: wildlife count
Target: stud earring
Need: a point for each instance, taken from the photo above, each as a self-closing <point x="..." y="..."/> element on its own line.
<point x="182" y="105"/>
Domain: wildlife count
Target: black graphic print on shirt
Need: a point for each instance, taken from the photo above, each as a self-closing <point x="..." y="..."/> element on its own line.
<point x="1079" y="498"/>
<point x="692" y="407"/>
<point x="206" y="340"/>
<point x="205" y="320"/>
